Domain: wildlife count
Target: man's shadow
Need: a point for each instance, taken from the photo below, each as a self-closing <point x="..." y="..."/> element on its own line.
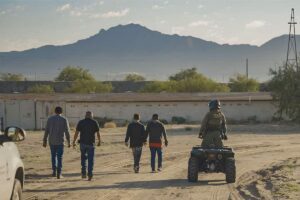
<point x="152" y="184"/>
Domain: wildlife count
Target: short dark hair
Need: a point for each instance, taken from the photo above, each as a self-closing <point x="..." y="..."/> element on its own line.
<point x="136" y="116"/>
<point x="58" y="110"/>
<point x="155" y="116"/>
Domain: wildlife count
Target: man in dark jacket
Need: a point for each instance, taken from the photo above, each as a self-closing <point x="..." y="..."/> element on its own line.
<point x="136" y="134"/>
<point x="156" y="130"/>
<point x="57" y="128"/>
<point x="87" y="128"/>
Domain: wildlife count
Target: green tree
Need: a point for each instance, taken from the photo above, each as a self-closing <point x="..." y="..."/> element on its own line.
<point x="70" y="73"/>
<point x="134" y="77"/>
<point x="240" y="83"/>
<point x="41" y="89"/>
<point x="89" y="86"/>
<point x="184" y="74"/>
<point x="11" y="77"/>
<point x="186" y="81"/>
<point x="285" y="87"/>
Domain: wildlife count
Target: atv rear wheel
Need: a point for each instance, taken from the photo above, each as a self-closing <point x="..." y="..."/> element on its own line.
<point x="230" y="170"/>
<point x="193" y="169"/>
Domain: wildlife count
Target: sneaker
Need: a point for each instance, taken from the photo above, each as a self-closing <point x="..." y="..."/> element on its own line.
<point x="59" y="176"/>
<point x="83" y="176"/>
<point x="90" y="178"/>
<point x="159" y="169"/>
<point x="54" y="174"/>
<point x="153" y="171"/>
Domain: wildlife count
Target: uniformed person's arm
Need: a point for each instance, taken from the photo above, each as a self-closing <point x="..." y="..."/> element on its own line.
<point x="203" y="126"/>
<point x="224" y="126"/>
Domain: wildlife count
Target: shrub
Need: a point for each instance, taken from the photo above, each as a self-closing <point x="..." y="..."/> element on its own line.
<point x="240" y="83"/>
<point x="178" y="120"/>
<point x="40" y="89"/>
<point x="88" y="86"/>
<point x="110" y="125"/>
<point x="102" y="120"/>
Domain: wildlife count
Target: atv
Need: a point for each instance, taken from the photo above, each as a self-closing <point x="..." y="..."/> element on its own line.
<point x="211" y="160"/>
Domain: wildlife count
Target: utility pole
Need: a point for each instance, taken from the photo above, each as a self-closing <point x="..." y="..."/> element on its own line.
<point x="291" y="58"/>
<point x="247" y="72"/>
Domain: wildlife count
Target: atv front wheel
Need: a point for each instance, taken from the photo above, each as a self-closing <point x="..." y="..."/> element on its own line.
<point x="193" y="169"/>
<point x="230" y="170"/>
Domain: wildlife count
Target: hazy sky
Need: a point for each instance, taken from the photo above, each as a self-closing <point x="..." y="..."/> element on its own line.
<point x="26" y="24"/>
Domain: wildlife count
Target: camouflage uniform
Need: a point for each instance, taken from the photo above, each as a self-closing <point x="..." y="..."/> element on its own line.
<point x="213" y="124"/>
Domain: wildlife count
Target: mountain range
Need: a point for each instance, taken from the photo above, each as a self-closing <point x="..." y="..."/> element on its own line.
<point x="134" y="48"/>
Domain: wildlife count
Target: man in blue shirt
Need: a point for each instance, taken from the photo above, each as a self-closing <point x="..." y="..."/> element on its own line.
<point x="56" y="128"/>
<point x="87" y="128"/>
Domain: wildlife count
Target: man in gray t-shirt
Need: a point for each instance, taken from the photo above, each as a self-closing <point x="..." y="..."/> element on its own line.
<point x="56" y="129"/>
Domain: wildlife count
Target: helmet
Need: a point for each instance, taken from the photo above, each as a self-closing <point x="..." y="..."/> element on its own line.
<point x="214" y="104"/>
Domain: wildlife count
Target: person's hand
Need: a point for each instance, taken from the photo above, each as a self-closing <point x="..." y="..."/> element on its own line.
<point x="45" y="144"/>
<point x="99" y="143"/>
<point x="166" y="143"/>
<point x="126" y="144"/>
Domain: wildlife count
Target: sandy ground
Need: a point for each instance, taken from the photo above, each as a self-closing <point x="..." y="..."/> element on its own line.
<point x="267" y="159"/>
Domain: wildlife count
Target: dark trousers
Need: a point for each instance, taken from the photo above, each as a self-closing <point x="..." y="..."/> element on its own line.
<point x="137" y="153"/>
<point x="57" y="152"/>
<point x="87" y="153"/>
<point x="154" y="151"/>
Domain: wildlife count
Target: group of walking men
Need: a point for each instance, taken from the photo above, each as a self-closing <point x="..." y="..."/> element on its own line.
<point x="213" y="130"/>
<point x="57" y="128"/>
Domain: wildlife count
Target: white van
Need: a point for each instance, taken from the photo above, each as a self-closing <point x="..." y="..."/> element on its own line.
<point x="11" y="165"/>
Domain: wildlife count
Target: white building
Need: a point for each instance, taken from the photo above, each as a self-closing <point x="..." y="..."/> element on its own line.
<point x="31" y="111"/>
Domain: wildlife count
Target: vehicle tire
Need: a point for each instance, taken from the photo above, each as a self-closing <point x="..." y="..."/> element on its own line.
<point x="17" y="191"/>
<point x="193" y="169"/>
<point x="230" y="170"/>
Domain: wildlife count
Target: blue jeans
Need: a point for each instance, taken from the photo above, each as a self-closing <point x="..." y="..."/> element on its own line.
<point x="87" y="153"/>
<point x="137" y="153"/>
<point x="57" y="152"/>
<point x="155" y="150"/>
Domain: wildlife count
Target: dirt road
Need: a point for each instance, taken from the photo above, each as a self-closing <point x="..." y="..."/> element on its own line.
<point x="267" y="157"/>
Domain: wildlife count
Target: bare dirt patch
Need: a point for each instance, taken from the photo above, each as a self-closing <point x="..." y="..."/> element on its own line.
<point x="264" y="159"/>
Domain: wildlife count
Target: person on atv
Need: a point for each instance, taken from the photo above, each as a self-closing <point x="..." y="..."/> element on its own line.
<point x="213" y="126"/>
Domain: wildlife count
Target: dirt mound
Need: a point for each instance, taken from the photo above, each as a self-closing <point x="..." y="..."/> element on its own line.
<point x="281" y="181"/>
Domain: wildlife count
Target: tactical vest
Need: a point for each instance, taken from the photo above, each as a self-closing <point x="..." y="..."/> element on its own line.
<point x="214" y="122"/>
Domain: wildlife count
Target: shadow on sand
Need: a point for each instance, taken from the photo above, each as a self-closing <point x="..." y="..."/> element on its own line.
<point x="152" y="184"/>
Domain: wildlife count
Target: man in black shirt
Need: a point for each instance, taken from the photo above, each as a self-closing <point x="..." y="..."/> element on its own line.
<point x="87" y="128"/>
<point x="136" y="134"/>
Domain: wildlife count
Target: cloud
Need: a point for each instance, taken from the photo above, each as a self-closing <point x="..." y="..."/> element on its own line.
<point x="156" y="7"/>
<point x="75" y="13"/>
<point x="200" y="6"/>
<point x="199" y="23"/>
<point x="13" y="9"/>
<point x="63" y="8"/>
<point x="111" y="14"/>
<point x="255" y="24"/>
